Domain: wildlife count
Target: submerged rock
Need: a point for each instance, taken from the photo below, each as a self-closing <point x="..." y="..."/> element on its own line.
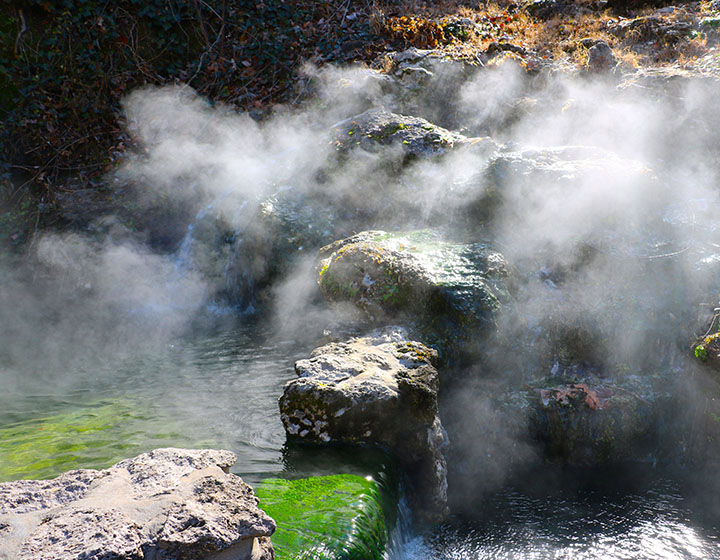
<point x="338" y="517"/>
<point x="451" y="291"/>
<point x="165" y="504"/>
<point x="378" y="389"/>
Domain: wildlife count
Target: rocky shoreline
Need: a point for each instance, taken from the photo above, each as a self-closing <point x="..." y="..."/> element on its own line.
<point x="169" y="503"/>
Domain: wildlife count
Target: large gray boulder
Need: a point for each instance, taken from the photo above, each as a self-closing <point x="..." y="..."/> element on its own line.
<point x="166" y="504"/>
<point x="451" y="291"/>
<point x="377" y="389"/>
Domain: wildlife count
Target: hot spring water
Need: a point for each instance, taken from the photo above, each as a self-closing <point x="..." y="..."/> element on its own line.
<point x="219" y="388"/>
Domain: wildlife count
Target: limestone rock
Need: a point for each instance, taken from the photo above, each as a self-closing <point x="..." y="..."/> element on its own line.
<point x="168" y="503"/>
<point x="378" y="389"/>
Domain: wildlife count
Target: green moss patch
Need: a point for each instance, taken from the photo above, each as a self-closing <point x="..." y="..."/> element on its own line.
<point x="325" y="517"/>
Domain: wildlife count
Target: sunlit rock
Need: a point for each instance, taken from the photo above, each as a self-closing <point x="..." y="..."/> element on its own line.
<point x="379" y="389"/>
<point x="166" y="504"/>
<point x="378" y="127"/>
<point x="451" y="291"/>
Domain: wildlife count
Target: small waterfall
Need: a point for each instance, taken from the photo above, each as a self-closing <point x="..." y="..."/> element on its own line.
<point x="184" y="255"/>
<point x="214" y="246"/>
<point x="403" y="542"/>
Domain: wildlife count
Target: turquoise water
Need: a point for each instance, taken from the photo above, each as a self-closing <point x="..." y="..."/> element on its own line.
<point x="215" y="388"/>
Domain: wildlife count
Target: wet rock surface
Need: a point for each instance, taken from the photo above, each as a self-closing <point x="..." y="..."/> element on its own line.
<point x="378" y="389"/>
<point x="168" y="503"/>
<point x="341" y="514"/>
<point x="594" y="423"/>
<point x="451" y="291"/>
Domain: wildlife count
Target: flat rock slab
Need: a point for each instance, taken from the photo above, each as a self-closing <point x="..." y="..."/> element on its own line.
<point x="330" y="517"/>
<point x="166" y="504"/>
<point x="378" y="389"/>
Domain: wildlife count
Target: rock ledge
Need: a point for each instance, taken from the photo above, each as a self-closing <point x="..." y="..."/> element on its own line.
<point x="166" y="504"/>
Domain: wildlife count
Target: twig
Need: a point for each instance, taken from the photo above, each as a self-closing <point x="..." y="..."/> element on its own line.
<point x="651" y="257"/>
<point x="22" y="31"/>
<point x="201" y="21"/>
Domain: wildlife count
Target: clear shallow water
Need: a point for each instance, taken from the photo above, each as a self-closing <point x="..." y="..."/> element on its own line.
<point x="219" y="388"/>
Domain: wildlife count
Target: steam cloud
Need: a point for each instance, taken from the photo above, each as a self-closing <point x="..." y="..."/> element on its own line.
<point x="613" y="230"/>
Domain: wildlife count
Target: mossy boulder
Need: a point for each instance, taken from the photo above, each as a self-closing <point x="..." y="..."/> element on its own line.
<point x="450" y="291"/>
<point x="595" y="422"/>
<point x="416" y="137"/>
<point x="337" y="517"/>
<point x="707" y="350"/>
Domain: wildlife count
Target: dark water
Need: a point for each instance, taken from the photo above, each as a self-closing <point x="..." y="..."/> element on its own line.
<point x="219" y="388"/>
<point x="649" y="519"/>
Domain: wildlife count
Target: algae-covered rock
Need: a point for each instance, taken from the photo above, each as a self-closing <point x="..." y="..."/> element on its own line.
<point x="451" y="291"/>
<point x="596" y="422"/>
<point x="707" y="350"/>
<point x="167" y="504"/>
<point x="377" y="389"/>
<point x="325" y="518"/>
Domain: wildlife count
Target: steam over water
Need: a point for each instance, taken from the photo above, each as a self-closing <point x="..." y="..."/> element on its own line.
<point x="181" y="325"/>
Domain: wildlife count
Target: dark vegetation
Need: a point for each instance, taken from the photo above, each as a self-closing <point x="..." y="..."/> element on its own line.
<point x="65" y="65"/>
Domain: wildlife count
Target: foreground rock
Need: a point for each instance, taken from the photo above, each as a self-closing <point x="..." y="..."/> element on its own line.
<point x="451" y="291"/>
<point x="166" y="504"/>
<point x="336" y="517"/>
<point x="378" y="389"/>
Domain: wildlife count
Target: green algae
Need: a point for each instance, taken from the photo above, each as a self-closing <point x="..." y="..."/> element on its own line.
<point x="93" y="436"/>
<point x="337" y="517"/>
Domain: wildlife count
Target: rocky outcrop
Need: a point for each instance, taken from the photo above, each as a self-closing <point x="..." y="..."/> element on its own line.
<point x="378" y="389"/>
<point x="378" y="127"/>
<point x="647" y="33"/>
<point x="165" y="504"/>
<point x="595" y="423"/>
<point x="451" y="291"/>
